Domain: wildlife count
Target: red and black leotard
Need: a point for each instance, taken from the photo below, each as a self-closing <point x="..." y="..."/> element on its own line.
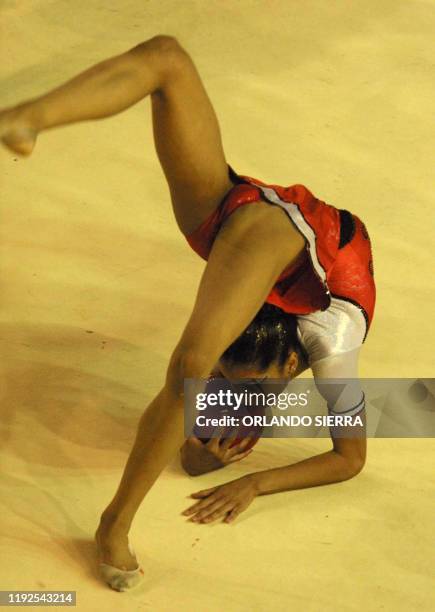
<point x="330" y="287"/>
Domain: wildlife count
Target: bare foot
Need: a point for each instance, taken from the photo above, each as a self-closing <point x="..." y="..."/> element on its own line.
<point x="18" y="129"/>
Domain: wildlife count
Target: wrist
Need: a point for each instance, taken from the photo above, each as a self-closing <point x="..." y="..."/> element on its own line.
<point x="255" y="481"/>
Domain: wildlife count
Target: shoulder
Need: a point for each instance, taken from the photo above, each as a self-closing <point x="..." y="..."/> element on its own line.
<point x="338" y="330"/>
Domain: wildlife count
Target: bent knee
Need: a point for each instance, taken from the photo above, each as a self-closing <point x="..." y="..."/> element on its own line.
<point x="186" y="363"/>
<point x="167" y="52"/>
<point x="165" y="42"/>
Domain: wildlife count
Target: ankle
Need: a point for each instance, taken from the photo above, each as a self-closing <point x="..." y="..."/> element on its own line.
<point x="112" y="522"/>
<point x="31" y="114"/>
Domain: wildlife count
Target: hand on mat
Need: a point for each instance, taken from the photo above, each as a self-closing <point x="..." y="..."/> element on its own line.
<point x="214" y="454"/>
<point x="227" y="501"/>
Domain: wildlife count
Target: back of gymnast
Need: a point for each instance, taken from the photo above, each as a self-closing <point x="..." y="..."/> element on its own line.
<point x="288" y="285"/>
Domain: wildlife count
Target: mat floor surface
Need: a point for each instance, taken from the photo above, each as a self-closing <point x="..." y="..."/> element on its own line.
<point x="98" y="283"/>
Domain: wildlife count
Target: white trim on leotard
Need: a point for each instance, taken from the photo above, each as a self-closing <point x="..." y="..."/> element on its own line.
<point x="299" y="221"/>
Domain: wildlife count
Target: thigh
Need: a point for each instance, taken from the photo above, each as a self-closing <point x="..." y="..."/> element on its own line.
<point x="189" y="145"/>
<point x="251" y="250"/>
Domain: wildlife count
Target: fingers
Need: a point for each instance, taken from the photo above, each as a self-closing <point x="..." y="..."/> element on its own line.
<point x="204" y="492"/>
<point x="219" y="508"/>
<point x="214" y="442"/>
<point x="225" y="501"/>
<point x="241" y="446"/>
<point x="209" y="515"/>
<point x="233" y="515"/>
<point x="228" y="441"/>
<point x="239" y="456"/>
<point x="207" y="501"/>
<point x="206" y="497"/>
<point x="225" y="446"/>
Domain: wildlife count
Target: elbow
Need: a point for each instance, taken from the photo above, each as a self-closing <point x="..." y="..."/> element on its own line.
<point x="353" y="467"/>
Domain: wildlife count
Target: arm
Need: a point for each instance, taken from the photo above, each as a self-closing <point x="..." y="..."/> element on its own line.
<point x="348" y="454"/>
<point x="229" y="500"/>
<point x="343" y="461"/>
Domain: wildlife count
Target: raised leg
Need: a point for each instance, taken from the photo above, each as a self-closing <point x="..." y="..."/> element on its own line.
<point x="186" y="131"/>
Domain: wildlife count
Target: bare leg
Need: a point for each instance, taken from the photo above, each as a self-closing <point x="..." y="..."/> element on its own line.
<point x="159" y="434"/>
<point x="186" y="132"/>
<point x="188" y="143"/>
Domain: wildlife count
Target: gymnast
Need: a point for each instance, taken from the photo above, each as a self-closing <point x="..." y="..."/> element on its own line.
<point x="288" y="285"/>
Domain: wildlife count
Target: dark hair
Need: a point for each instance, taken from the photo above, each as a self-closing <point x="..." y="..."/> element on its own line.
<point x="270" y="337"/>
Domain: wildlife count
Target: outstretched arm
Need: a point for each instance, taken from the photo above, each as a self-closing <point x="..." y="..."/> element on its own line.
<point x="343" y="461"/>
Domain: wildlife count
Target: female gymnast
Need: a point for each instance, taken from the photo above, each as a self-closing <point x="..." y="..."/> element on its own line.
<point x="288" y="285"/>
